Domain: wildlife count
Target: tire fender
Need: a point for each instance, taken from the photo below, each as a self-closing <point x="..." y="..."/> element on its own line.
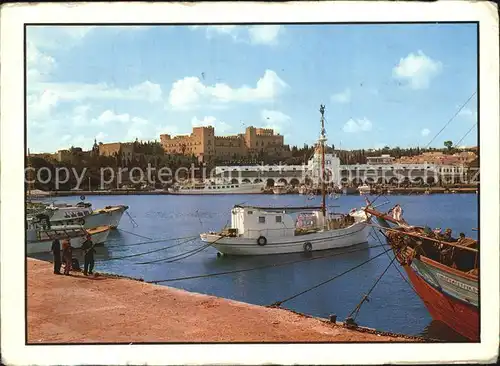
<point x="261" y="240"/>
<point x="307" y="247"/>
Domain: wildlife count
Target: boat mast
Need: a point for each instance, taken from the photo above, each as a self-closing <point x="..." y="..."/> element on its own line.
<point x="322" y="140"/>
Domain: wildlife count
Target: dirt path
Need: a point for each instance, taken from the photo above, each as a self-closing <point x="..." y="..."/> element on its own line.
<point x="78" y="309"/>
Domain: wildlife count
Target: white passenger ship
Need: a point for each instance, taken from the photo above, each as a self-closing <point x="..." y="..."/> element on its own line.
<point x="218" y="188"/>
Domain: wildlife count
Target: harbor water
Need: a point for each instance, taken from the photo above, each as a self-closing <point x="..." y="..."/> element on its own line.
<point x="392" y="306"/>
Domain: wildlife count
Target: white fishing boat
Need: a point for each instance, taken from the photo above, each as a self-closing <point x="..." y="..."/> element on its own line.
<point x="280" y="188"/>
<point x="217" y="188"/>
<point x="275" y="230"/>
<point x="114" y="213"/>
<point x="267" y="230"/>
<point x="39" y="236"/>
<point x="82" y="214"/>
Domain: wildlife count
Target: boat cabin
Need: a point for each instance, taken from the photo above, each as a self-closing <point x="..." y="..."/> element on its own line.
<point x="253" y="222"/>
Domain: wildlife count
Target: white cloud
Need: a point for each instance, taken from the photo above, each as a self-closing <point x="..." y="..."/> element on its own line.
<point x="425" y="132"/>
<point x="220" y="127"/>
<point x="342" y="97"/>
<point x="358" y="125"/>
<point x="276" y="120"/>
<point x="256" y="34"/>
<point x="39" y="64"/>
<point x="190" y="92"/>
<point x="101" y="136"/>
<point x="54" y="37"/>
<point x="468" y="114"/>
<point x="109" y="116"/>
<point x="264" y="34"/>
<point x="146" y="91"/>
<point x="274" y="116"/>
<point x="417" y="70"/>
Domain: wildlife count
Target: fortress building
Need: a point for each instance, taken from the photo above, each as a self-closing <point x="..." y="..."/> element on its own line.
<point x="206" y="146"/>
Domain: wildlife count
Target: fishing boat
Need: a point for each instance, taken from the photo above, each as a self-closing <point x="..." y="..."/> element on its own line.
<point x="278" y="230"/>
<point x="79" y="214"/>
<point x="280" y="188"/>
<point x="217" y="188"/>
<point x="114" y="213"/>
<point x="40" y="234"/>
<point x="443" y="270"/>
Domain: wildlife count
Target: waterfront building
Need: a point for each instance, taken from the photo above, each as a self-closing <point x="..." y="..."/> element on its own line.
<point x="123" y="149"/>
<point x="382" y="159"/>
<point x="338" y="175"/>
<point x="206" y="146"/>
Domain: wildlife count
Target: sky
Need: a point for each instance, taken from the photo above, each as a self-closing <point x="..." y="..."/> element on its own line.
<point x="394" y="85"/>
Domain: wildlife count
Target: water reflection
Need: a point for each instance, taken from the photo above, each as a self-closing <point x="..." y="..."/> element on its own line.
<point x="439" y="330"/>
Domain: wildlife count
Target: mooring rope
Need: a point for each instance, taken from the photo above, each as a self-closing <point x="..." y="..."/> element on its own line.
<point x="131" y="233"/>
<point x="134" y="223"/>
<point x="278" y="303"/>
<point x="142" y="253"/>
<point x="150" y="242"/>
<point x="180" y="256"/>
<point x="263" y="267"/>
<point x="365" y="297"/>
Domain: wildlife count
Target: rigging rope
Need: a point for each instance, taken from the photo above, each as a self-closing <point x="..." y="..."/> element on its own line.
<point x="263" y="267"/>
<point x="464" y="136"/>
<point x="278" y="303"/>
<point x="451" y="119"/>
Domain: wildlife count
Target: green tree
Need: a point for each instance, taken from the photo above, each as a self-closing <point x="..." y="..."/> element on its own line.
<point x="448" y="144"/>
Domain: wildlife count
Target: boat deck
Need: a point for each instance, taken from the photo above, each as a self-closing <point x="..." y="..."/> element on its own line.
<point x="78" y="309"/>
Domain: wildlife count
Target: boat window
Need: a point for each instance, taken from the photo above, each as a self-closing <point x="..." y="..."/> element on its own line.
<point x="278" y="219"/>
<point x="262" y="219"/>
<point x="250" y="212"/>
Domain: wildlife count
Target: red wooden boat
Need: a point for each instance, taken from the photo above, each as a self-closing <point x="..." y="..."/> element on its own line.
<point x="444" y="271"/>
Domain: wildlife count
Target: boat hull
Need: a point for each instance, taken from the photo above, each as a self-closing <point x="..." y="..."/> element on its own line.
<point x="45" y="246"/>
<point x="446" y="299"/>
<point x="112" y="215"/>
<point x="206" y="191"/>
<point x="116" y="216"/>
<point x="332" y="239"/>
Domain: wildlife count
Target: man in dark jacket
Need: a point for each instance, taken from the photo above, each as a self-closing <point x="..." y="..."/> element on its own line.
<point x="56" y="251"/>
<point x="88" y="250"/>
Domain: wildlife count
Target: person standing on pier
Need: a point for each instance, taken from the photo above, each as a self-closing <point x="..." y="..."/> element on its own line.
<point x="88" y="250"/>
<point x="56" y="252"/>
<point x="67" y="256"/>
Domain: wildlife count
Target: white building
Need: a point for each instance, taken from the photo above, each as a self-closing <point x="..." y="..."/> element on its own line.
<point x="341" y="175"/>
